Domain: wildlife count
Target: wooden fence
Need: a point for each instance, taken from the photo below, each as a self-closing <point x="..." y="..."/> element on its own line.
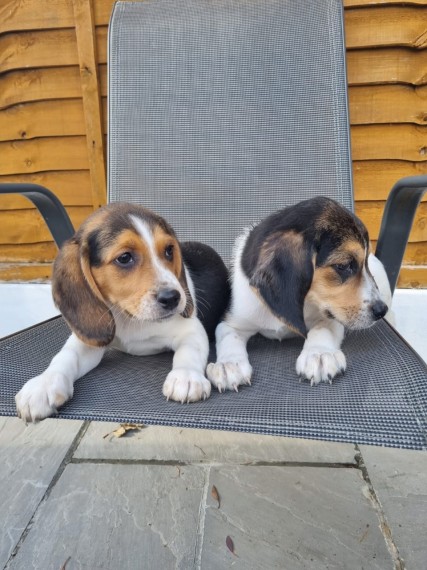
<point x="53" y="88"/>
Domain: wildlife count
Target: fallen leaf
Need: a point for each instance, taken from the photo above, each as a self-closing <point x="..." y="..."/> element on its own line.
<point x="65" y="563"/>
<point x="124" y="428"/>
<point x="215" y="495"/>
<point x="230" y="545"/>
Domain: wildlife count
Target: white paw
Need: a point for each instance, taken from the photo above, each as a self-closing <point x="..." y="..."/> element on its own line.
<point x="41" y="396"/>
<point x="186" y="385"/>
<point x="320" y="364"/>
<point x="229" y="375"/>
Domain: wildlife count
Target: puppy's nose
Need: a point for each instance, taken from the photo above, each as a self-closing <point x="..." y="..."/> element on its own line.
<point x="168" y="298"/>
<point x="379" y="309"/>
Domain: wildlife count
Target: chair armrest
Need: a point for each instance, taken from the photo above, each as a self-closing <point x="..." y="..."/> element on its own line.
<point x="53" y="212"/>
<point x="396" y="224"/>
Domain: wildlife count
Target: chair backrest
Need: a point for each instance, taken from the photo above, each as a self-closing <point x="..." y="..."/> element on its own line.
<point x="221" y="111"/>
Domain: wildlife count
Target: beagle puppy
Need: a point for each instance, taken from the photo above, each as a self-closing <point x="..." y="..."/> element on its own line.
<point x="303" y="270"/>
<point x="124" y="281"/>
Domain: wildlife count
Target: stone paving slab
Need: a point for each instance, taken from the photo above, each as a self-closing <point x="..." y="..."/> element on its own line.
<point x="117" y="517"/>
<point x="292" y="518"/>
<point x="29" y="458"/>
<point x="193" y="445"/>
<point x="399" y="478"/>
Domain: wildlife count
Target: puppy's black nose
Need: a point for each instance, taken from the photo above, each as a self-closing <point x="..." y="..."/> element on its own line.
<point x="379" y="309"/>
<point x="168" y="298"/>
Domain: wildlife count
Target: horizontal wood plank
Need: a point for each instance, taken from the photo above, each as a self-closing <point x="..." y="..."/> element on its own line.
<point x="44" y="252"/>
<point x="22" y="86"/>
<point x="58" y="117"/>
<point x="386" y="26"/>
<point x="384" y="142"/>
<point x="71" y="187"/>
<point x="387" y="66"/>
<point x="16" y="15"/>
<point x="39" y="155"/>
<point x="38" y="49"/>
<point x="373" y="179"/>
<point x="388" y="104"/>
<point x="371" y="214"/>
<point x="412" y="277"/>
<point x="359" y="3"/>
<point x="26" y="272"/>
<point x="27" y="226"/>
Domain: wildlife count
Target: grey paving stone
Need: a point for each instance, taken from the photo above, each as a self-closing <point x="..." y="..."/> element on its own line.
<point x="192" y="445"/>
<point x="29" y="458"/>
<point x="117" y="517"/>
<point x="399" y="478"/>
<point x="291" y="518"/>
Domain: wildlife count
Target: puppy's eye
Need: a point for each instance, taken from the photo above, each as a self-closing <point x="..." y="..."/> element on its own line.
<point x="345" y="269"/>
<point x="125" y="259"/>
<point x="169" y="252"/>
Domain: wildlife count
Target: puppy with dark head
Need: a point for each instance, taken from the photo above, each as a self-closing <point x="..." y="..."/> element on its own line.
<point x="303" y="270"/>
<point x="125" y="281"/>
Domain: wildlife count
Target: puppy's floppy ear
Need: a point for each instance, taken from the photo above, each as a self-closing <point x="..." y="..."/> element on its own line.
<point x="283" y="276"/>
<point x="78" y="298"/>
<point x="189" y="306"/>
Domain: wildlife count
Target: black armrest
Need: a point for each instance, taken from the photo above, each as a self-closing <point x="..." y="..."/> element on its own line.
<point x="396" y="224"/>
<point x="49" y="206"/>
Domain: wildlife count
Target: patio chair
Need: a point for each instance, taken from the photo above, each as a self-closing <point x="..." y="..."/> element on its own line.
<point x="219" y="113"/>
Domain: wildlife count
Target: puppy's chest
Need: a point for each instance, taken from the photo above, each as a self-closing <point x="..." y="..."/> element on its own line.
<point x="141" y="340"/>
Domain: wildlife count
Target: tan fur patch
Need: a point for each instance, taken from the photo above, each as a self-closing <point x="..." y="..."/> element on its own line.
<point x="125" y="287"/>
<point x="342" y="299"/>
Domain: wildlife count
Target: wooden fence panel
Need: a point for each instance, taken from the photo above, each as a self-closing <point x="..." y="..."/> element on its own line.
<point x="53" y="116"/>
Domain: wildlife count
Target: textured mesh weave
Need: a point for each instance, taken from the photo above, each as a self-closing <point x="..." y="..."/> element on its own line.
<point x="219" y="113"/>
<point x="381" y="399"/>
<point x="222" y="112"/>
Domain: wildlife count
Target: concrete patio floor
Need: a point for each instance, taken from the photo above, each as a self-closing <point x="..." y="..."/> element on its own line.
<point x="75" y="496"/>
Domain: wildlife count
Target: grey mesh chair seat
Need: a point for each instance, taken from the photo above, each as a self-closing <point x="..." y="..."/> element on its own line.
<point x="220" y="113"/>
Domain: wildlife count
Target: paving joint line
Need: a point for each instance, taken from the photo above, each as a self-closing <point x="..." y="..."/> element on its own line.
<point x="384" y="525"/>
<point x="66" y="460"/>
<point x="207" y="462"/>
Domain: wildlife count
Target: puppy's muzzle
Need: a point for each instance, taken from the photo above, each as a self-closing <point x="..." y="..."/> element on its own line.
<point x="379" y="310"/>
<point x="168" y="299"/>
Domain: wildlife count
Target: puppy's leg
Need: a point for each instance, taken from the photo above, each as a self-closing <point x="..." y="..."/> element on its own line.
<point x="41" y="396"/>
<point x="186" y="382"/>
<point x="321" y="358"/>
<point x="232" y="367"/>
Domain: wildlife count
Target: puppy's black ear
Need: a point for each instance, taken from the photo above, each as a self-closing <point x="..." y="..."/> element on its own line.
<point x="78" y="298"/>
<point x="283" y="276"/>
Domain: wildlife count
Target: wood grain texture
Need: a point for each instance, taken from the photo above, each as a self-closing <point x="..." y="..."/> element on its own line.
<point x="53" y="104"/>
<point x="27" y="226"/>
<point x="396" y="25"/>
<point x="387" y="65"/>
<point x="85" y="33"/>
<point x="391" y="141"/>
<point x="373" y="104"/>
<point x="23" y="122"/>
<point x="38" y="155"/>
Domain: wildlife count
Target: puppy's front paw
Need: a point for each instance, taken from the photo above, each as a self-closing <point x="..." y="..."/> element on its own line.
<point x="40" y="397"/>
<point x="186" y="385"/>
<point x="320" y="364"/>
<point x="229" y="375"/>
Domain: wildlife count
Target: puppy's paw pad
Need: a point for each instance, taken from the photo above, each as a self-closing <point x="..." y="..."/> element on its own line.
<point x="186" y="385"/>
<point x="319" y="364"/>
<point x="40" y="397"/>
<point x="229" y="375"/>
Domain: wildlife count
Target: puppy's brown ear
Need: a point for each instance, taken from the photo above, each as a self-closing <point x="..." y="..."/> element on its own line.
<point x="189" y="306"/>
<point x="77" y="297"/>
<point x="283" y="276"/>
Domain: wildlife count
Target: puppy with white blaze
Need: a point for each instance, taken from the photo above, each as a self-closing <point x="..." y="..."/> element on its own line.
<point x="303" y="270"/>
<point x="124" y="281"/>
